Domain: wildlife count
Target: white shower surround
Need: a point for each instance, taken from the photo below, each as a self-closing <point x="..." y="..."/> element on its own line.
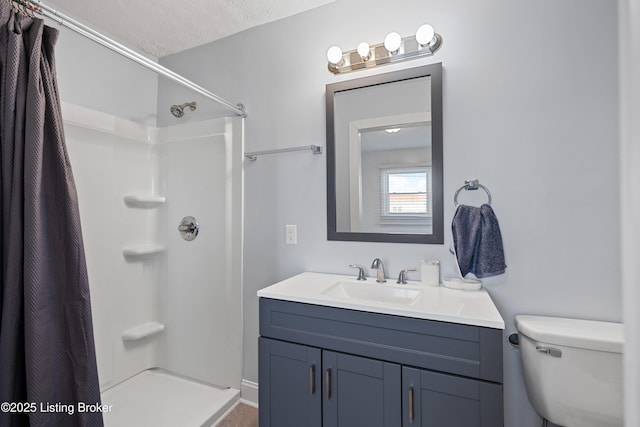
<point x="192" y="289"/>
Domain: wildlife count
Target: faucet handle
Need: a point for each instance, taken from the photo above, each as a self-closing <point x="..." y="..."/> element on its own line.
<point x="360" y="268"/>
<point x="402" y="277"/>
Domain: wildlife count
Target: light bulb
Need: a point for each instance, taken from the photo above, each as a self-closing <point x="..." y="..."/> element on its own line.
<point x="392" y="42"/>
<point x="425" y="34"/>
<point x="364" y="50"/>
<point x="334" y="55"/>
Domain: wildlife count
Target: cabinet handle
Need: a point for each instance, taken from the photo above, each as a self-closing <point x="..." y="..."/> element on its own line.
<point x="312" y="380"/>
<point x="327" y="380"/>
<point x="411" y="405"/>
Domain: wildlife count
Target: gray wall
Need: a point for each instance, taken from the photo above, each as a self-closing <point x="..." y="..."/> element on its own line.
<point x="530" y="108"/>
<point x="92" y="76"/>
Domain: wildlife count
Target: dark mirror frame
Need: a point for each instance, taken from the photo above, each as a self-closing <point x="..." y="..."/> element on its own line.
<point x="437" y="236"/>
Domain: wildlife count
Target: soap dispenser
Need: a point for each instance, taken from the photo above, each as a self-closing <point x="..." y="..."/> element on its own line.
<point x="430" y="272"/>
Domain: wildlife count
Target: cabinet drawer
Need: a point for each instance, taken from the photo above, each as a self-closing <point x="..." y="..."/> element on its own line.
<point x="466" y="350"/>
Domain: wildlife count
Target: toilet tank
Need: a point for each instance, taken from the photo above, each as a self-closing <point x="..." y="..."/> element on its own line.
<point x="573" y="369"/>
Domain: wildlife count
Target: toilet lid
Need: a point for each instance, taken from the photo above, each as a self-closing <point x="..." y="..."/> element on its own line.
<point x="587" y="334"/>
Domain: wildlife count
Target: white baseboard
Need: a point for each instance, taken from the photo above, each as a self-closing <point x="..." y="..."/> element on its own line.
<point x="249" y="393"/>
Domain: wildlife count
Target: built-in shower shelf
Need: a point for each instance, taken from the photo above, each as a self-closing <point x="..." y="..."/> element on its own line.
<point x="142" y="331"/>
<point x="145" y="201"/>
<point x="142" y="250"/>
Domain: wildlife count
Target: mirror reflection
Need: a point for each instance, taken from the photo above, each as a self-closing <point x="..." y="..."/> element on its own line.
<point x="395" y="170"/>
<point x="384" y="168"/>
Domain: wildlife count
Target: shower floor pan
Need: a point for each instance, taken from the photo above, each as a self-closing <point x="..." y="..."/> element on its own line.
<point x="159" y="399"/>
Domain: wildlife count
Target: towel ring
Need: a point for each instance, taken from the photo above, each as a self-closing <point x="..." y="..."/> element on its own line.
<point x="471" y="185"/>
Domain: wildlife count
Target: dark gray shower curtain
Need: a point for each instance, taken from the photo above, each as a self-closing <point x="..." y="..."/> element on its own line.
<point x="47" y="354"/>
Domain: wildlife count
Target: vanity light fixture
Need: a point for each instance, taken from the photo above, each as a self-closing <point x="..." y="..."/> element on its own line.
<point x="394" y="49"/>
<point x="393" y="130"/>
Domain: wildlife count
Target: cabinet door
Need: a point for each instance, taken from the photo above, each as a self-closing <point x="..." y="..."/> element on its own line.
<point x="360" y="392"/>
<point x="290" y="388"/>
<point x="433" y="399"/>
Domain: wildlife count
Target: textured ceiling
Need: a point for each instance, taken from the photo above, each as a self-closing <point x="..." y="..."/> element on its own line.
<point x="163" y="27"/>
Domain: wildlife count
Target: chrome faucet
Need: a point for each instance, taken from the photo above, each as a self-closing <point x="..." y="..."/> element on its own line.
<point x="360" y="268"/>
<point x="377" y="264"/>
<point x="402" y="277"/>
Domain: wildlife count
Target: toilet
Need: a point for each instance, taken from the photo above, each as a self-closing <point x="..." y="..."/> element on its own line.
<point x="573" y="369"/>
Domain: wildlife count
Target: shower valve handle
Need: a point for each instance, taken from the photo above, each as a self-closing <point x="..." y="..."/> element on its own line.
<point x="189" y="228"/>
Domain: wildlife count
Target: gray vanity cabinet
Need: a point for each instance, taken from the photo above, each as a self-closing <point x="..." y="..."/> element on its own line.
<point x="333" y="367"/>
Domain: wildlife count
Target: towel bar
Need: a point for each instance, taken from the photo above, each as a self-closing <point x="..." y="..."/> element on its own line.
<point x="316" y="149"/>
<point x="471" y="185"/>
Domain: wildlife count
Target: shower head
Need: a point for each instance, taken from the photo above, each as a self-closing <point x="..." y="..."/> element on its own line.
<point x="178" y="110"/>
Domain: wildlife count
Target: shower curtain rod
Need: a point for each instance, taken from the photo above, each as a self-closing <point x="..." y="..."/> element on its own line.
<point x="78" y="27"/>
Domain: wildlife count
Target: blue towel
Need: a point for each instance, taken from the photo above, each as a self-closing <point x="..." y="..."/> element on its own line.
<point x="477" y="242"/>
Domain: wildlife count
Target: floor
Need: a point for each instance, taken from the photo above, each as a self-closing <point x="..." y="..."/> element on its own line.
<point x="241" y="416"/>
<point x="157" y="398"/>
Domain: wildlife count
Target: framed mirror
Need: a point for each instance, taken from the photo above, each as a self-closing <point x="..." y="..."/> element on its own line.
<point x="384" y="157"/>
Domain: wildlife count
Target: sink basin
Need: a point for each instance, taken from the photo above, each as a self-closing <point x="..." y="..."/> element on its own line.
<point x="373" y="292"/>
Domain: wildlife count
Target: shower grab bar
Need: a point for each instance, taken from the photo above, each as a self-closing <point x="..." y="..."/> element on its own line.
<point x="49" y="12"/>
<point x="316" y="149"/>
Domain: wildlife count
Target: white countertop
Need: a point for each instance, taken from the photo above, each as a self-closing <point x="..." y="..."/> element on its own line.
<point x="413" y="300"/>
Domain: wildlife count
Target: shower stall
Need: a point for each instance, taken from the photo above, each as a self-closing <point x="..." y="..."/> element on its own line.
<point x="167" y="311"/>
